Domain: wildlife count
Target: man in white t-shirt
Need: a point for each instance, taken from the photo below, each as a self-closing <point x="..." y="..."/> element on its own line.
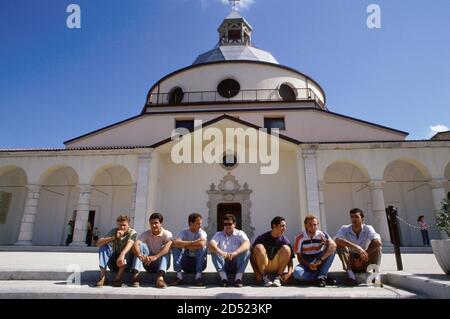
<point x="152" y="251"/>
<point x="359" y="245"/>
<point x="230" y="251"/>
<point x="189" y="251"/>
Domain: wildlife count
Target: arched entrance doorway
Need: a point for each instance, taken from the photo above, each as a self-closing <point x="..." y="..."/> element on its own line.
<point x="234" y="209"/>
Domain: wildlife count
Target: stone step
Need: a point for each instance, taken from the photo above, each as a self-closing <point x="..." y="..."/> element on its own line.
<point x="211" y="278"/>
<point x="59" y="290"/>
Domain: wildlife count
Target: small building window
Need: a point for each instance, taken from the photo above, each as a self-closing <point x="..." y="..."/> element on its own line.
<point x="176" y="95"/>
<point x="287" y="93"/>
<point x="187" y="124"/>
<point x="274" y="122"/>
<point x="228" y="88"/>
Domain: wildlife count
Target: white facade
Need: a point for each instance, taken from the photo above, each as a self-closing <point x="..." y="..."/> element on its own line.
<point x="329" y="163"/>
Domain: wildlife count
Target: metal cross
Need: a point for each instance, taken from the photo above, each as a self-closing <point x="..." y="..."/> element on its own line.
<point x="234" y="4"/>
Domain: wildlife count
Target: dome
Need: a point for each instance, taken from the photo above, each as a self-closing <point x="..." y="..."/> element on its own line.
<point x="233" y="53"/>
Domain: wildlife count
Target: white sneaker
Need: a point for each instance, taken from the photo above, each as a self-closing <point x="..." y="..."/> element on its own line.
<point x="267" y="282"/>
<point x="277" y="282"/>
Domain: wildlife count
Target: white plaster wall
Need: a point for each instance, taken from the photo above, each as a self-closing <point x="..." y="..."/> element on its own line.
<point x="341" y="195"/>
<point x="111" y="201"/>
<point x="411" y="199"/>
<point x="184" y="186"/>
<point x="10" y="230"/>
<point x="303" y="125"/>
<point x="53" y="208"/>
<point x="250" y="76"/>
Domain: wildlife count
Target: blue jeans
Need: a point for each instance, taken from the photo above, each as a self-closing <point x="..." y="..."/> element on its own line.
<point x="161" y="264"/>
<point x="109" y="258"/>
<point x="235" y="266"/>
<point x="189" y="264"/>
<point x="425" y="237"/>
<point x="303" y="273"/>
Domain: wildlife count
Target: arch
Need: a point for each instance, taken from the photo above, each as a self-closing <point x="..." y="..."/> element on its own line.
<point x="51" y="170"/>
<point x="13" y="181"/>
<point x="345" y="185"/>
<point x="357" y="165"/>
<point x="112" y="194"/>
<point x="407" y="188"/>
<point x="417" y="164"/>
<point x="109" y="169"/>
<point x="58" y="198"/>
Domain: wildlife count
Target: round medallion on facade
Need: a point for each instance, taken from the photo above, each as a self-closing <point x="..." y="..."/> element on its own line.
<point x="228" y="88"/>
<point x="229" y="161"/>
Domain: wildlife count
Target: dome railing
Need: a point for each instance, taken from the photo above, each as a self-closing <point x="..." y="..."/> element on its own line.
<point x="242" y="96"/>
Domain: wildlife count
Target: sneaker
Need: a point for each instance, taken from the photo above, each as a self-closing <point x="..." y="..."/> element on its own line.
<point x="238" y="283"/>
<point x="330" y="281"/>
<point x="266" y="281"/>
<point x="177" y="282"/>
<point x="320" y="282"/>
<point x="199" y="282"/>
<point x="277" y="282"/>
<point x="224" y="283"/>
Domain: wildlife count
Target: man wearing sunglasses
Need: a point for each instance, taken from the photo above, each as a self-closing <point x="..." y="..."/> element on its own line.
<point x="230" y="251"/>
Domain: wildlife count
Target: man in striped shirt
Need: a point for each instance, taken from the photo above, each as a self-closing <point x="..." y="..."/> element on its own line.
<point x="315" y="253"/>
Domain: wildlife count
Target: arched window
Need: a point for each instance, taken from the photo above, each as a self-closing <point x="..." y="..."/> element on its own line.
<point x="176" y="95"/>
<point x="287" y="93"/>
<point x="228" y="88"/>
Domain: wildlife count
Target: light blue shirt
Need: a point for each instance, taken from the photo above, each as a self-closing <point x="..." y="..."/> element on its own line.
<point x="187" y="235"/>
<point x="366" y="235"/>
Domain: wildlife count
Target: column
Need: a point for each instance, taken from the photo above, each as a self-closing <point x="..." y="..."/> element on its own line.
<point x="133" y="203"/>
<point x="142" y="185"/>
<point x="81" y="221"/>
<point x="438" y="193"/>
<point x="29" y="215"/>
<point x="323" y="219"/>
<point x="379" y="211"/>
<point x="312" y="187"/>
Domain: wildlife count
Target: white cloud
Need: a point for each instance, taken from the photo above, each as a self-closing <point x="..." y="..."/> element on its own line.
<point x="434" y="129"/>
<point x="244" y="4"/>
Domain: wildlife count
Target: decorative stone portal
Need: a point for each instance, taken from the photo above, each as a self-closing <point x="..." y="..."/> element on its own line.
<point x="229" y="197"/>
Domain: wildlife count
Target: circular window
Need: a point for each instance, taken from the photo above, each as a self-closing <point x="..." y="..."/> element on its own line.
<point x="176" y="95"/>
<point x="287" y="93"/>
<point x="228" y="88"/>
<point x="229" y="161"/>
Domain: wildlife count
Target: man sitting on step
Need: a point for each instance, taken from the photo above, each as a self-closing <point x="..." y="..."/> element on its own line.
<point x="271" y="254"/>
<point x="315" y="253"/>
<point x="189" y="251"/>
<point x="115" y="251"/>
<point x="358" y="246"/>
<point x="152" y="251"/>
<point x="230" y="251"/>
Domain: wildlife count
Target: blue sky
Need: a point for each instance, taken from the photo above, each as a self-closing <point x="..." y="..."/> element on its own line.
<point x="58" y="83"/>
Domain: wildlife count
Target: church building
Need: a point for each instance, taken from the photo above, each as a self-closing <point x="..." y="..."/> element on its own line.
<point x="326" y="163"/>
